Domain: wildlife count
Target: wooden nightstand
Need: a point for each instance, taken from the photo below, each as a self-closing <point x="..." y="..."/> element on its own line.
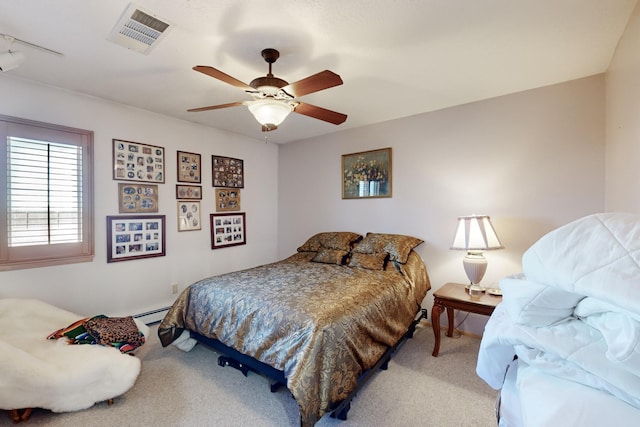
<point x="454" y="296"/>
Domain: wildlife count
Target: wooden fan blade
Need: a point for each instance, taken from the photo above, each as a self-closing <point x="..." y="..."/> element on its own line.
<point x="216" y="107"/>
<point x="217" y="74"/>
<point x="322" y="80"/>
<point x="320" y="113"/>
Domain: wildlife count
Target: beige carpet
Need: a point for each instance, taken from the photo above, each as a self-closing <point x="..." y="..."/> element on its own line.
<point x="190" y="389"/>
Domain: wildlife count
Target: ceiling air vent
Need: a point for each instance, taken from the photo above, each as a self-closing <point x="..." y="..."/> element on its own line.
<point x="138" y="30"/>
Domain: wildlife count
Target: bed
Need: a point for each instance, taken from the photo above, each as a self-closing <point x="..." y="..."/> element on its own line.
<point x="563" y="347"/>
<point x="317" y="320"/>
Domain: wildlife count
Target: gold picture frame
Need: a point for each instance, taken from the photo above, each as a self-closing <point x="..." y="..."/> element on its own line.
<point x="137" y="198"/>
<point x="227" y="199"/>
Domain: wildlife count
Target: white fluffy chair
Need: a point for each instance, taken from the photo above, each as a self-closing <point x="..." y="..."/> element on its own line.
<point x="51" y="374"/>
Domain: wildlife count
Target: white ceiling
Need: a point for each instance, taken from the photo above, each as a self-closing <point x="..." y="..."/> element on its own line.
<point x="396" y="57"/>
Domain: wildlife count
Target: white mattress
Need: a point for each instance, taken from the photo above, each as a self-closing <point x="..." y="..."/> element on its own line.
<point x="531" y="398"/>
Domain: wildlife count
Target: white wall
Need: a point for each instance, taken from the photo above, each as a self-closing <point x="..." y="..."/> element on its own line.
<point x="532" y="160"/>
<point x="131" y="287"/>
<point x="623" y="123"/>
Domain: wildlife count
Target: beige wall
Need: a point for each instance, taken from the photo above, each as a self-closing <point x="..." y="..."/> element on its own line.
<point x="532" y="160"/>
<point x="132" y="287"/>
<point x="623" y="122"/>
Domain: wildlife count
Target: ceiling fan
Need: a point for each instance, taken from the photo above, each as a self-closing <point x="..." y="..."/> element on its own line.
<point x="274" y="98"/>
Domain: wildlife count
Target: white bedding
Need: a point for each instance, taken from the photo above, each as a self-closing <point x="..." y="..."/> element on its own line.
<point x="532" y="398"/>
<point x="596" y="256"/>
<point x="573" y="315"/>
<point x="571" y="350"/>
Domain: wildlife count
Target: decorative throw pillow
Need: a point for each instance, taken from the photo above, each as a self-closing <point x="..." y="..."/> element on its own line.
<point x="339" y="240"/>
<point x="115" y="331"/>
<point x="397" y="246"/>
<point x="369" y="261"/>
<point x="330" y="256"/>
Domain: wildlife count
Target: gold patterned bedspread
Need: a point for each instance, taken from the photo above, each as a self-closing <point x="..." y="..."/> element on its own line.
<point x="321" y="324"/>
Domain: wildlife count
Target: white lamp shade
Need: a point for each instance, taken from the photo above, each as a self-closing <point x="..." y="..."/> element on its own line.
<point x="270" y="111"/>
<point x="475" y="233"/>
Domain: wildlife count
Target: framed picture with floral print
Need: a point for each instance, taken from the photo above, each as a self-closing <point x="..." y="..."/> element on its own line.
<point x="366" y="174"/>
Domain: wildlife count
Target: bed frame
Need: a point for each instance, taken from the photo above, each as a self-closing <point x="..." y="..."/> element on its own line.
<point x="235" y="359"/>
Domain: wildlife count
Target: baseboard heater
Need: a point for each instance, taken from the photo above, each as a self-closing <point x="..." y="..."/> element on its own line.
<point x="153" y="316"/>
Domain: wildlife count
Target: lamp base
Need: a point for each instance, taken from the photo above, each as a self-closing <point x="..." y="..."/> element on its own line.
<point x="475" y="265"/>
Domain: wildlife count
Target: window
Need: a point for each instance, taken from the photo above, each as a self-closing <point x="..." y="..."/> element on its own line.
<point x="46" y="192"/>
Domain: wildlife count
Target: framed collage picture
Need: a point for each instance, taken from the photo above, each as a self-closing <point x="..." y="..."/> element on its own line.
<point x="189" y="192"/>
<point x="227" y="199"/>
<point x="227" y="172"/>
<point x="132" y="237"/>
<point x="228" y="229"/>
<point x="133" y="161"/>
<point x="189" y="216"/>
<point x="137" y="198"/>
<point x="189" y="168"/>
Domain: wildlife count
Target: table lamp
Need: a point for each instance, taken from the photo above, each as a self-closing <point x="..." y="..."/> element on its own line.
<point x="475" y="234"/>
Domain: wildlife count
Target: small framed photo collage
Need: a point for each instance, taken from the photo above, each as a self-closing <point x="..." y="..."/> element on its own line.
<point x="227" y="172"/>
<point x="135" y="237"/>
<point x="133" y="161"/>
<point x="137" y="198"/>
<point x="189" y="217"/>
<point x="228" y="229"/>
<point x="142" y="166"/>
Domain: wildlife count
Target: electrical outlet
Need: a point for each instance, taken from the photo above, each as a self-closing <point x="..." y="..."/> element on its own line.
<point x="174" y="288"/>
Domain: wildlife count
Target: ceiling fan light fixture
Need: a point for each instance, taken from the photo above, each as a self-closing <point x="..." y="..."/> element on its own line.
<point x="270" y="112"/>
<point x="273" y="98"/>
<point x="10" y="60"/>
